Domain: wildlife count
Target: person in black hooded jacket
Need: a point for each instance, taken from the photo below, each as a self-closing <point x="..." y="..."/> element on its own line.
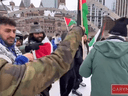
<point x="72" y="79"/>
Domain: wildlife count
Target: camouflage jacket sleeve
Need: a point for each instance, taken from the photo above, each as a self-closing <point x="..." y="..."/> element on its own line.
<point x="34" y="77"/>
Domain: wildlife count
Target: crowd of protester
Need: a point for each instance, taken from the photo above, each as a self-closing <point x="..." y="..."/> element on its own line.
<point x="30" y="65"/>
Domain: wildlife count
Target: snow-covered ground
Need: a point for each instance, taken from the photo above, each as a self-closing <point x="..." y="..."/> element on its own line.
<point x="55" y="91"/>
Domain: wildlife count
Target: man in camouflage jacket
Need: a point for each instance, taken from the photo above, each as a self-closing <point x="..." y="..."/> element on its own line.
<point x="35" y="76"/>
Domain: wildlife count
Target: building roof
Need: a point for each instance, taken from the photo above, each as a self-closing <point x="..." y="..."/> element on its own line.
<point x="62" y="6"/>
<point x="15" y="8"/>
<point x="3" y="9"/>
<point x="47" y="13"/>
<point x="22" y="4"/>
<point x="41" y="4"/>
<point x="31" y="6"/>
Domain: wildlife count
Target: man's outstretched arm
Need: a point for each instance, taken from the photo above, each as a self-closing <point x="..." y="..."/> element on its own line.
<point x="34" y="77"/>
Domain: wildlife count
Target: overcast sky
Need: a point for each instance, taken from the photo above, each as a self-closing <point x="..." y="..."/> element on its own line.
<point x="70" y="4"/>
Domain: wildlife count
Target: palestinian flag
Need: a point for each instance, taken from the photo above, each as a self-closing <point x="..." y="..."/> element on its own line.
<point x="102" y="32"/>
<point x="84" y="8"/>
<point x="94" y="38"/>
<point x="69" y="21"/>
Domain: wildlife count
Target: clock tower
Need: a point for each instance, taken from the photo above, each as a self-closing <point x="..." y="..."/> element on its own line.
<point x="61" y="2"/>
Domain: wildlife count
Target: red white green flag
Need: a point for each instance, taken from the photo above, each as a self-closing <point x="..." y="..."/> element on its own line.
<point x="94" y="39"/>
<point x="84" y="8"/>
<point x="69" y="21"/>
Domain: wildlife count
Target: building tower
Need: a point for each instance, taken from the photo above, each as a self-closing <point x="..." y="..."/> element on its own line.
<point x="41" y="4"/>
<point x="122" y="8"/>
<point x="61" y="2"/>
<point x="56" y="3"/>
<point x="26" y="3"/>
<point x="12" y="4"/>
<point x="22" y="6"/>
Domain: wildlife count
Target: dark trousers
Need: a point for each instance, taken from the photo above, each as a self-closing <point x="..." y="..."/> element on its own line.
<point x="78" y="79"/>
<point x="46" y="91"/>
<point x="67" y="82"/>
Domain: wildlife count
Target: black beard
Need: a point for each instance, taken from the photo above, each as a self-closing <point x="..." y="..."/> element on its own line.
<point x="9" y="44"/>
<point x="36" y="40"/>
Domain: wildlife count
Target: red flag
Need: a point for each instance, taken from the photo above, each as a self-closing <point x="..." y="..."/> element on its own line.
<point x="67" y="20"/>
<point x="83" y="1"/>
<point x="103" y="29"/>
<point x="84" y="13"/>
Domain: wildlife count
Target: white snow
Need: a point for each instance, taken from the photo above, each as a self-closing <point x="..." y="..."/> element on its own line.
<point x="55" y="90"/>
<point x="62" y="6"/>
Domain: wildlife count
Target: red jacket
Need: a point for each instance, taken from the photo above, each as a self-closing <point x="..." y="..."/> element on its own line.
<point x="44" y="50"/>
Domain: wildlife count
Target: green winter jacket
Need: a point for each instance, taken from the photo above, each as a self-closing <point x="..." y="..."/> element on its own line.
<point x="33" y="77"/>
<point x="108" y="64"/>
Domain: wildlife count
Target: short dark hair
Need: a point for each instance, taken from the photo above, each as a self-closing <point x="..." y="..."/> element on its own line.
<point x="7" y="21"/>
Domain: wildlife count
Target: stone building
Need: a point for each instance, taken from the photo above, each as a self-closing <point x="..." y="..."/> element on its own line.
<point x="51" y="22"/>
<point x="50" y="25"/>
<point x="122" y="8"/>
<point x="3" y="10"/>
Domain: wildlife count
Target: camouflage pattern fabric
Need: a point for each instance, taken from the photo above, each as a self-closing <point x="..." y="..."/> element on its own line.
<point x="33" y="77"/>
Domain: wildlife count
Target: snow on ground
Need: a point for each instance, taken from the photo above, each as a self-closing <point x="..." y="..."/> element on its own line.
<point x="55" y="91"/>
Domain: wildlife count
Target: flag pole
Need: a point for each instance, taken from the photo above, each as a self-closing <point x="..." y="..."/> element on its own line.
<point x="83" y="46"/>
<point x="81" y="13"/>
<point x="103" y="29"/>
<point x="66" y="24"/>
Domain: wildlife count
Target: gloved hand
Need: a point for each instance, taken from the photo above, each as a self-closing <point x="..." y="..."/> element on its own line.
<point x="80" y="29"/>
<point x="34" y="46"/>
<point x="20" y="60"/>
<point x="83" y="30"/>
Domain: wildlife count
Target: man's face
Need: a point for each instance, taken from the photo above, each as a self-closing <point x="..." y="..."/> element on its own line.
<point x="7" y="34"/>
<point x="19" y="43"/>
<point x="85" y="38"/>
<point x="38" y="36"/>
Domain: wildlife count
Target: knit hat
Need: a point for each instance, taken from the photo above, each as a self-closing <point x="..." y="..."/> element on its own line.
<point x="119" y="29"/>
<point x="36" y="28"/>
<point x="122" y="19"/>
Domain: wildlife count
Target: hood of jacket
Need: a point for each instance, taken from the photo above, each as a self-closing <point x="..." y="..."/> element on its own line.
<point x="112" y="49"/>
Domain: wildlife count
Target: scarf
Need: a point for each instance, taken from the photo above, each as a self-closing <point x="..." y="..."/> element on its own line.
<point x="9" y="48"/>
<point x="12" y="54"/>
